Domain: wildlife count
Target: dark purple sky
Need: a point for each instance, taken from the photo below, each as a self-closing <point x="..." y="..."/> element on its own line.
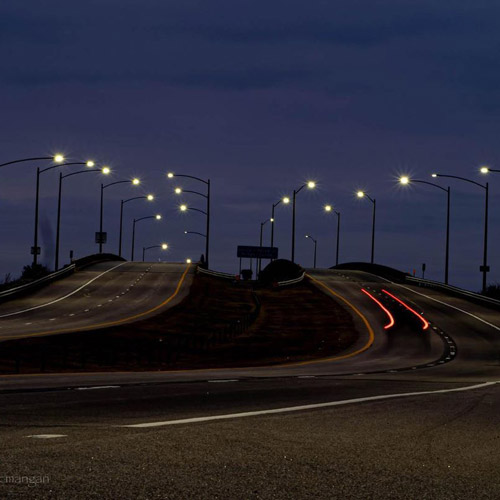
<point x="258" y="96"/>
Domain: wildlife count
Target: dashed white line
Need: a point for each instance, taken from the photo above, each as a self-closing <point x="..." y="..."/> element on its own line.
<point x="61" y="298"/>
<point x="46" y="436"/>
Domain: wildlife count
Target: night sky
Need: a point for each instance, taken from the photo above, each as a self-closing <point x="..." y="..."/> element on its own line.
<point x="259" y="97"/>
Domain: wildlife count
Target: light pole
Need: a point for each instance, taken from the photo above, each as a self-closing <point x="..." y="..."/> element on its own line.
<point x="56" y="159"/>
<point x="104" y="170"/>
<point x="184" y="208"/>
<point x="262" y="224"/>
<point x="405" y="180"/>
<point x="157" y="217"/>
<point x="89" y="164"/>
<point x="362" y="194"/>
<point x="309" y="185"/>
<point x="163" y="246"/>
<point x="285" y="200"/>
<point x="484" y="268"/>
<point x="315" y="247"/>
<point x="329" y="208"/>
<point x="171" y="175"/>
<point x="134" y="182"/>
<point x="148" y="197"/>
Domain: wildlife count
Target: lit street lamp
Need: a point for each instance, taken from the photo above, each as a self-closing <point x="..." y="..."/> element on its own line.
<point x="179" y="190"/>
<point x="195" y="232"/>
<point x="104" y="170"/>
<point x="484" y="268"/>
<point x="134" y="182"/>
<point x="362" y="194"/>
<point x="148" y="197"/>
<point x="285" y="200"/>
<point x="315" y="247"/>
<point x="163" y="246"/>
<point x="405" y="180"/>
<point x="89" y="164"/>
<point x="328" y="209"/>
<point x="309" y="185"/>
<point x="157" y="217"/>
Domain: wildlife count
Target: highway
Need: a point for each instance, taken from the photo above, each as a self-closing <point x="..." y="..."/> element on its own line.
<point x="104" y="294"/>
<point x="410" y="411"/>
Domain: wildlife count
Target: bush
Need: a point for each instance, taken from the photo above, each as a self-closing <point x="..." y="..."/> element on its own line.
<point x="34" y="272"/>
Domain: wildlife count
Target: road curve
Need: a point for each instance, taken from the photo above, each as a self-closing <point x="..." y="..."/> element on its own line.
<point x="390" y="419"/>
<point x="102" y="295"/>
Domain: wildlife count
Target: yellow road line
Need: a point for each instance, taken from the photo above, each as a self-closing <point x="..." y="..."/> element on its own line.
<point x="110" y="323"/>
<point x="371" y="334"/>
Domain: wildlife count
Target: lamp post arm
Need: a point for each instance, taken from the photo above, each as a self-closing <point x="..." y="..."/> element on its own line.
<point x="80" y="172"/>
<point x="196" y="232"/>
<point x="195" y="192"/>
<point x="462" y="179"/>
<point x="113" y="183"/>
<point x="191" y="177"/>
<point x="197" y="210"/>
<point x="27" y="159"/>
<point x="63" y="165"/>
<point x="134" y="198"/>
<point x="430" y="184"/>
<point x="147" y="217"/>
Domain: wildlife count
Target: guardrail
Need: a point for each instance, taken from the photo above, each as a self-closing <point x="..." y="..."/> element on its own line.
<point x="292" y="282"/>
<point x="460" y="292"/>
<point x="29" y="287"/>
<point x="217" y="274"/>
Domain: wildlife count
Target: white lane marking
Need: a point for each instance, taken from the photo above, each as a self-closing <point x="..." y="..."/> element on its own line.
<point x="52" y="319"/>
<point x="28" y="324"/>
<point x="94" y="387"/>
<point x="72" y="314"/>
<point x="304" y="407"/>
<point x="46" y="436"/>
<point x="222" y="381"/>
<point x="452" y="307"/>
<point x="61" y="298"/>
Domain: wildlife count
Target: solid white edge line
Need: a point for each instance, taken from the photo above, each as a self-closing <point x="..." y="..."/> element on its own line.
<point x="303" y="407"/>
<point x="452" y="307"/>
<point x="61" y="298"/>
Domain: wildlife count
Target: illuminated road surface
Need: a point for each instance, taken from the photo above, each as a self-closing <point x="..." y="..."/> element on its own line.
<point x="384" y="421"/>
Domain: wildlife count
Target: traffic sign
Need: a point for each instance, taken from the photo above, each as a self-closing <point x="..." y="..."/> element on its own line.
<point x="250" y="252"/>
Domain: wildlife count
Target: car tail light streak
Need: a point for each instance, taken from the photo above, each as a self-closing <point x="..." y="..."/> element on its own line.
<point x="419" y="316"/>
<point x="391" y="317"/>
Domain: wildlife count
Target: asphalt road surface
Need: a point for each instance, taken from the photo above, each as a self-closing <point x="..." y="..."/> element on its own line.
<point x="411" y="411"/>
<point x="102" y="295"/>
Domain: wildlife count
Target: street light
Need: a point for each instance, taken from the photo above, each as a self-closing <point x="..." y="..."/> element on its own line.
<point x="163" y="246"/>
<point x="484" y="268"/>
<point x="362" y="194"/>
<point x="262" y="224"/>
<point x="104" y="171"/>
<point x="148" y="197"/>
<point x="285" y="200"/>
<point x="58" y="159"/>
<point x="405" y="180"/>
<point x="315" y="247"/>
<point x="179" y="190"/>
<point x="309" y="185"/>
<point x="134" y="182"/>
<point x="195" y="232"/>
<point x="157" y="217"/>
<point x="329" y="209"/>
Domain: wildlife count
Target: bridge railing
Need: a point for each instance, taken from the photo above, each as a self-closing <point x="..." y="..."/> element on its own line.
<point x="12" y="293"/>
<point x="454" y="290"/>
